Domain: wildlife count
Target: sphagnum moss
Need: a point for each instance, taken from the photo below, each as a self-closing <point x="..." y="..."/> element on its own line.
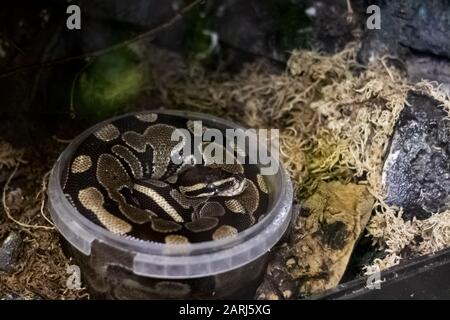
<point x="335" y="124"/>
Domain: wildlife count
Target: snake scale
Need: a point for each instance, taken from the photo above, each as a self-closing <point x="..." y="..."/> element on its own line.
<point x="123" y="178"/>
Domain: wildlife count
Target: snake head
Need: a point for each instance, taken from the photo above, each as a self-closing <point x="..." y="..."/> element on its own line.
<point x="202" y="181"/>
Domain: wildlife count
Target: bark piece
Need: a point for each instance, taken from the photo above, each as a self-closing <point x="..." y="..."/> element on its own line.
<point x="330" y="223"/>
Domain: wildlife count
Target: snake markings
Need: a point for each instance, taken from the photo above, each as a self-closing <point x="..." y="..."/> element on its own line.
<point x="125" y="181"/>
<point x="212" y="209"/>
<point x="186" y="202"/>
<point x="128" y="156"/>
<point x="235" y="206"/>
<point x="202" y="224"/>
<point x="107" y="133"/>
<point x="176" y="239"/>
<point x="165" y="226"/>
<point x="93" y="200"/>
<point x="113" y="177"/>
<point x="81" y="164"/>
<point x="246" y="202"/>
<point x="160" y="201"/>
<point x="158" y="137"/>
<point x="147" y="117"/>
<point x="224" y="231"/>
<point x="157" y="183"/>
<point x="262" y="183"/>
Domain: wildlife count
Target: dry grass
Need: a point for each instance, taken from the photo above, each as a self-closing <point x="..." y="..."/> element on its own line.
<point x="335" y="119"/>
<point x="42" y="267"/>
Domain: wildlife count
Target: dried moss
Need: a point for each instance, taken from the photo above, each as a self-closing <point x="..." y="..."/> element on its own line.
<point x="41" y="271"/>
<point x="335" y="119"/>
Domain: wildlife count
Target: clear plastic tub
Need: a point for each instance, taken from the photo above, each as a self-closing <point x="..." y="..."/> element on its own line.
<point x="115" y="267"/>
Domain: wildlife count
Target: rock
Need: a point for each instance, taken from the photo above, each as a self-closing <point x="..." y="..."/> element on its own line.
<point x="416" y="173"/>
<point x="409" y="26"/>
<point x="438" y="69"/>
<point x="272" y="28"/>
<point x="330" y="223"/>
<point x="10" y="251"/>
<point x="416" y="33"/>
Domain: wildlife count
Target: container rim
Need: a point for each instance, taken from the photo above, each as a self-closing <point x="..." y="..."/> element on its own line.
<point x="159" y="259"/>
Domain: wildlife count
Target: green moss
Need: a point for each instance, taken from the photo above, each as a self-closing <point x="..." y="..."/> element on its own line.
<point x="110" y="84"/>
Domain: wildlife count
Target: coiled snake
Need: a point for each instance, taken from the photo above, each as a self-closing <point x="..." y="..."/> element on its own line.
<point x="123" y="178"/>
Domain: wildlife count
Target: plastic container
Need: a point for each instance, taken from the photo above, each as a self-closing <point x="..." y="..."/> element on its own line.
<point x="116" y="267"/>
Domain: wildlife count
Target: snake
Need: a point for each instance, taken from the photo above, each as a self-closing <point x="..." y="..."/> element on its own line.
<point x="123" y="177"/>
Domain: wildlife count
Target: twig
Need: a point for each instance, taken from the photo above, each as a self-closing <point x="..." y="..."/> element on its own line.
<point x="43" y="64"/>
<point x="8" y="211"/>
<point x="42" y="193"/>
<point x="387" y="69"/>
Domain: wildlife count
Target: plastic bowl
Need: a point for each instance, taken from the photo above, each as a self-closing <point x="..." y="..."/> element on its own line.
<point x="116" y="267"/>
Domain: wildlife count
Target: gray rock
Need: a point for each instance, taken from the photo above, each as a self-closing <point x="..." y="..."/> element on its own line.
<point x="410" y="27"/>
<point x="416" y="33"/>
<point x="416" y="174"/>
<point x="272" y="28"/>
<point x="10" y="251"/>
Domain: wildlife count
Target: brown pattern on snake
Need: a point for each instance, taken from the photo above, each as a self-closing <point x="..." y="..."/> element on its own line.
<point x="209" y="209"/>
<point x="202" y="224"/>
<point x="157" y="183"/>
<point x="235" y="206"/>
<point x="224" y="231"/>
<point x="262" y="183"/>
<point x="176" y="239"/>
<point x="210" y="160"/>
<point x="81" y="164"/>
<point x="186" y="202"/>
<point x="147" y="117"/>
<point x="246" y="202"/>
<point x="160" y="201"/>
<point x="93" y="200"/>
<point x="165" y="226"/>
<point x="113" y="177"/>
<point x="107" y="133"/>
<point x="128" y="156"/>
<point x="158" y="137"/>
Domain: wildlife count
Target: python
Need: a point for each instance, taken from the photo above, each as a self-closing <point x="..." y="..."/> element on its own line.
<point x="230" y="146"/>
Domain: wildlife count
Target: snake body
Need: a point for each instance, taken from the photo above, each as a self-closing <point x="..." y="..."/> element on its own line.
<point x="123" y="178"/>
